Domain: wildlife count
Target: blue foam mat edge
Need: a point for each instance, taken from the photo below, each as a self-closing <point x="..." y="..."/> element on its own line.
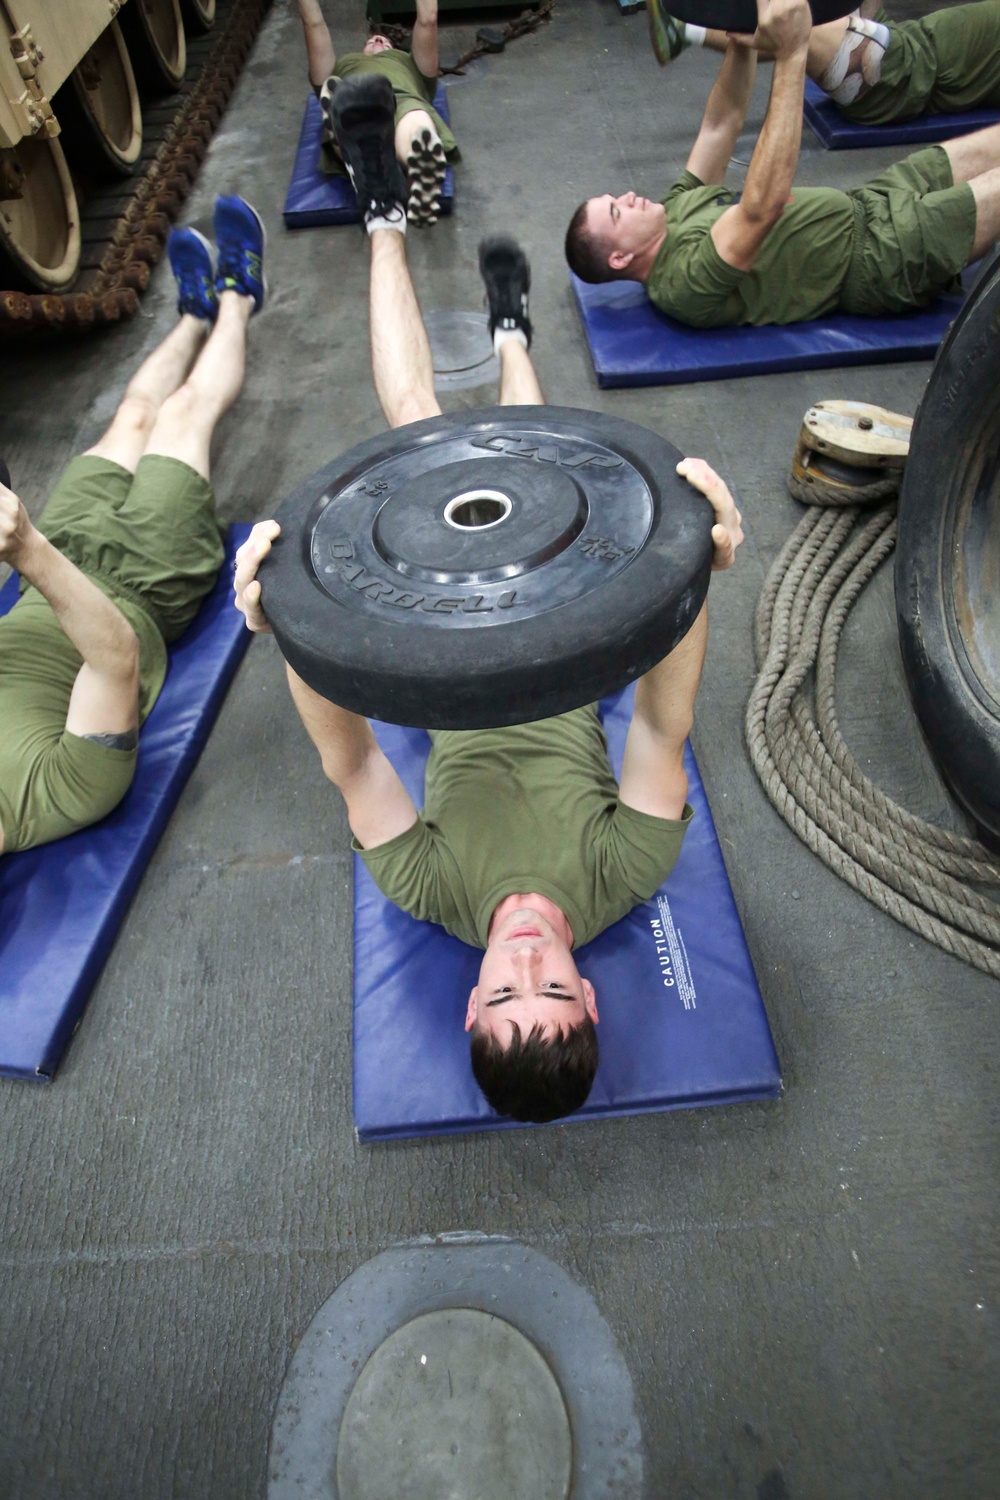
<point x="411" y="1073"/>
<point x="836" y="132"/>
<point x="631" y="343"/>
<point x="94" y="873"/>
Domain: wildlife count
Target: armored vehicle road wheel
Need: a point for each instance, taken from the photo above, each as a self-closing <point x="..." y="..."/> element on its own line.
<point x="98" y="108"/>
<point x="199" y="15"/>
<point x="39" y="217"/>
<point x="948" y="557"/>
<point x="154" y="33"/>
<point x="488" y="567"/>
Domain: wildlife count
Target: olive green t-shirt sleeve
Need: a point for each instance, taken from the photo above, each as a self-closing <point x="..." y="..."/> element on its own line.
<point x="73" y="784"/>
<point x="643" y="850"/>
<point x="417" y="872"/>
<point x="685" y="182"/>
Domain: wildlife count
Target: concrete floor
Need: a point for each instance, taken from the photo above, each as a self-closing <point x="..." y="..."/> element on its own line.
<point x="806" y="1291"/>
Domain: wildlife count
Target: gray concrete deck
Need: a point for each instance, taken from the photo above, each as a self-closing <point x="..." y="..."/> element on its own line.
<point x="806" y="1292"/>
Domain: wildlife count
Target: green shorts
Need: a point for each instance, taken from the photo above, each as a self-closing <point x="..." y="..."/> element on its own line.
<point x="151" y="538"/>
<point x="944" y="63"/>
<point x="913" y="234"/>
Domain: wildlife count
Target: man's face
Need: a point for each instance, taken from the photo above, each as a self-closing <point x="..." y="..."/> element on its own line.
<point x="528" y="976"/>
<point x="375" y="44"/>
<point x="625" y="225"/>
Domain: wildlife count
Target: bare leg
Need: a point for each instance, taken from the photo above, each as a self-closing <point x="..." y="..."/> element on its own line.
<point x="401" y="355"/>
<point x="824" y="42"/>
<point x="319" y="44"/>
<point x="973" y="155"/>
<point x="410" y="128"/>
<point x="157" y="378"/>
<point x="986" y="191"/>
<point x="518" y="381"/>
<point x="187" y="419"/>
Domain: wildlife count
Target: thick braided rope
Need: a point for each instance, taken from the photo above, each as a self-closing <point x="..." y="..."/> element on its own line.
<point x="904" y="865"/>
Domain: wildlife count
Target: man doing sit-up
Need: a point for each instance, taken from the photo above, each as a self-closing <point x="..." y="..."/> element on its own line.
<point x="423" y="142"/>
<point x="122" y="556"/>
<point x="525" y="847"/>
<point x="711" y="258"/>
<point x="875" y="70"/>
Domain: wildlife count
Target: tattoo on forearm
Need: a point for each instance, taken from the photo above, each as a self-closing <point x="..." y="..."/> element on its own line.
<point x="127" y="741"/>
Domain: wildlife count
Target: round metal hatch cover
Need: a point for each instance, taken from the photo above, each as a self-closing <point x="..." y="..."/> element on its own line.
<point x="461" y="348"/>
<point x="537" y="1312"/>
<point x="456" y="1403"/>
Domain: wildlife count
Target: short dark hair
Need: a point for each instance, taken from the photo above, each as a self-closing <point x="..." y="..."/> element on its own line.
<point x="539" y="1078"/>
<point x="584" y="254"/>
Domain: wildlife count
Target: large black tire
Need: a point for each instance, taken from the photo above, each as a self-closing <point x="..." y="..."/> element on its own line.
<point x="741" y="15"/>
<point x="596" y="606"/>
<point x="947" y="569"/>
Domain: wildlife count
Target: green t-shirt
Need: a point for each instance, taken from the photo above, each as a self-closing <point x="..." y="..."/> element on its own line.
<point x="52" y="782"/>
<point x="530" y="808"/>
<point x="396" y="65"/>
<point x="798" y="272"/>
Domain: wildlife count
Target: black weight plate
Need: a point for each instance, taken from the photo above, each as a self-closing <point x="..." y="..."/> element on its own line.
<point x="947" y="569"/>
<point x="741" y="15"/>
<point x="594" y="567"/>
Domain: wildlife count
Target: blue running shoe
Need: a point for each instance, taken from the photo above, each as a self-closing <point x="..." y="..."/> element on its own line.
<point x="190" y="257"/>
<point x="239" y="235"/>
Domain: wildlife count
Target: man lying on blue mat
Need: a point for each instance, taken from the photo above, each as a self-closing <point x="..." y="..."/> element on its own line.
<point x="526" y="847"/>
<point x="878" y="71"/>
<point x="122" y="556"/>
<point x="424" y="143"/>
<point x="712" y="258"/>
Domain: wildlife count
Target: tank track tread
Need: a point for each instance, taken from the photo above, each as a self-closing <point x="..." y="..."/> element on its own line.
<point x="125" y="224"/>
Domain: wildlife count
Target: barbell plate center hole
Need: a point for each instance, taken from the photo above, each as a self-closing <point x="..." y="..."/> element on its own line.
<point x="477" y="510"/>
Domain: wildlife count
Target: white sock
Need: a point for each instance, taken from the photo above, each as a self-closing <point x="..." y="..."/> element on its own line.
<point x="501" y="335"/>
<point x="694" y="36"/>
<point x="397" y="222"/>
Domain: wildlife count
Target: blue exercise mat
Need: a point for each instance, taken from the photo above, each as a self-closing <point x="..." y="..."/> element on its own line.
<point x="837" y="133"/>
<point x="682" y="1019"/>
<point x="315" y="199"/>
<point x="61" y="905"/>
<point x="632" y="343"/>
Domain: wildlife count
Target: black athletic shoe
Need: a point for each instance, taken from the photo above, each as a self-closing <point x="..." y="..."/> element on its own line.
<point x="504" y="267"/>
<point x="364" y="122"/>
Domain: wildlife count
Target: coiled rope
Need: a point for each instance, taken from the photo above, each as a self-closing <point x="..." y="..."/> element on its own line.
<point x="935" y="882"/>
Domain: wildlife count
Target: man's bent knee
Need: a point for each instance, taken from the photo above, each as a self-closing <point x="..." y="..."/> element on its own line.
<point x="413" y="408"/>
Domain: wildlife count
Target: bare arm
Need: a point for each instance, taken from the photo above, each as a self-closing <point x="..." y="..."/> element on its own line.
<point x="653" y="778"/>
<point x="740" y="232"/>
<point x="379" y="807"/>
<point x="105" y="696"/>
<point x="725" y="114"/>
<point x="319" y="44"/>
<point x="424" y="42"/>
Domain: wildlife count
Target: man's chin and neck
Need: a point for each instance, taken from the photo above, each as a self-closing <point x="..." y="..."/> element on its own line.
<point x="520" y="913"/>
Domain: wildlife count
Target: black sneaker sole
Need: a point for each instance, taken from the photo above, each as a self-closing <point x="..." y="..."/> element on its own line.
<point x="364" y="121"/>
<point x="506" y="273"/>
<point x="426" y="166"/>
